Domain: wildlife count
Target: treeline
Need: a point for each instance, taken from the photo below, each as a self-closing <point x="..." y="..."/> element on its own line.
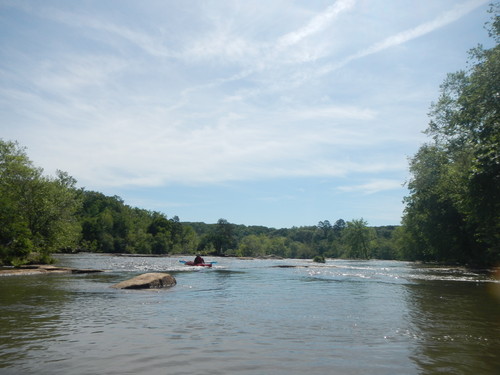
<point x="352" y="239"/>
<point x="109" y="225"/>
<point x="41" y="215"/>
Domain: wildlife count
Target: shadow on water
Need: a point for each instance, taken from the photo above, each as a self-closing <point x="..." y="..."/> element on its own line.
<point x="456" y="326"/>
<point x="31" y="315"/>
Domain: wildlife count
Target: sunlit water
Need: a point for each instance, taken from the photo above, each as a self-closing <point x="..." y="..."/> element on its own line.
<point x="251" y="317"/>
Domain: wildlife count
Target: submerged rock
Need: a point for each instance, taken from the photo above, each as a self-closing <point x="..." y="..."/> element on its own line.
<point x="148" y="281"/>
<point x="85" y="270"/>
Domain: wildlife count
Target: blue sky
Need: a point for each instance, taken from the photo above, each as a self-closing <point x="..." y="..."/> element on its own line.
<point x="276" y="113"/>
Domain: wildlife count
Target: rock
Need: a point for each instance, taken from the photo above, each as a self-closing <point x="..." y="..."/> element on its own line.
<point x="147" y="281"/>
<point x="85" y="270"/>
<point x="36" y="269"/>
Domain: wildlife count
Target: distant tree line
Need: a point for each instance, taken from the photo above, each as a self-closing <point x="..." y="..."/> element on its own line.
<point x="352" y="239"/>
<point x="41" y="215"/>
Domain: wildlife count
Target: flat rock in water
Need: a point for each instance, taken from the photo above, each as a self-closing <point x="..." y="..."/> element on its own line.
<point x="148" y="281"/>
<point x="36" y="269"/>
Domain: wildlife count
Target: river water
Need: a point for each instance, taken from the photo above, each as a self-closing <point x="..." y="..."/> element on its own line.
<point x="251" y="317"/>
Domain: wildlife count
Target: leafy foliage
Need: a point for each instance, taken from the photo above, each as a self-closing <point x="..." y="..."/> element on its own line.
<point x="357" y="239"/>
<point x="108" y="225"/>
<point x="453" y="210"/>
<point x="37" y="212"/>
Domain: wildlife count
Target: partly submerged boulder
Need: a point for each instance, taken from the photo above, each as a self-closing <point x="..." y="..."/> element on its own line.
<point x="148" y="281"/>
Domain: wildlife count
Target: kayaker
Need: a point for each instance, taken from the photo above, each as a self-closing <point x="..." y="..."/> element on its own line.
<point x="198" y="260"/>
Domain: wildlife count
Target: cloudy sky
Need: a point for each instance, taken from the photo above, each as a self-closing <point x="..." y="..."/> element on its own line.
<point x="278" y="113"/>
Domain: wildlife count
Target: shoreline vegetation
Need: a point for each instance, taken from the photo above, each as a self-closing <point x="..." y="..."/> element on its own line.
<point x="452" y="212"/>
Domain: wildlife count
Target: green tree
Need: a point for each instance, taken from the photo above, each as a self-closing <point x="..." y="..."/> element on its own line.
<point x="453" y="210"/>
<point x="438" y="229"/>
<point x="16" y="174"/>
<point x="223" y="237"/>
<point x="278" y="246"/>
<point x="357" y="239"/>
<point x="37" y="212"/>
<point x="325" y="229"/>
<point x="253" y="245"/>
<point x="338" y="227"/>
<point x="188" y="242"/>
<point x="51" y="213"/>
<point x="384" y="246"/>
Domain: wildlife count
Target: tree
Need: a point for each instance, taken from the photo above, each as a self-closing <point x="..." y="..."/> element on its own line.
<point x="16" y="172"/>
<point x="188" y="241"/>
<point x="53" y="213"/>
<point x="223" y="237"/>
<point x="357" y="238"/>
<point x="453" y="210"/>
<point x="253" y="245"/>
<point x="338" y="227"/>
<point x="37" y="212"/>
<point x="438" y="229"/>
<point x="326" y="228"/>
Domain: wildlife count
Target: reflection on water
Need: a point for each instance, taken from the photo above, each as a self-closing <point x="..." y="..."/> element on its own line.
<point x="348" y="317"/>
<point x="457" y="327"/>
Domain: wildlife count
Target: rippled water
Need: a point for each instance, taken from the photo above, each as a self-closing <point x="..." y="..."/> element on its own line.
<point x="251" y="317"/>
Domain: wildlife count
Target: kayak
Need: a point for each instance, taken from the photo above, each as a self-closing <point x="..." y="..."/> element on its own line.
<point x="191" y="263"/>
<point x="199" y="264"/>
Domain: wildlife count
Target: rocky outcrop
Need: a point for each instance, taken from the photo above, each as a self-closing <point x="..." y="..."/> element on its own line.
<point x="36" y="269"/>
<point x="148" y="281"/>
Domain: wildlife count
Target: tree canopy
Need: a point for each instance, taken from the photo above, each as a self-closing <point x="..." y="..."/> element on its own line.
<point x="37" y="212"/>
<point x="453" y="210"/>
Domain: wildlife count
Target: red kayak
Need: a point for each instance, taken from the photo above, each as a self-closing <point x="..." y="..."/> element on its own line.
<point x="191" y="263"/>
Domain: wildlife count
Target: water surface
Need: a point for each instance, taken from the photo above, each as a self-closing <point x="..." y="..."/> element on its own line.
<point x="251" y="317"/>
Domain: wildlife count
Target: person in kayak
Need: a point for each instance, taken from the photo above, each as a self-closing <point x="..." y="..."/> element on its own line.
<point x="198" y="260"/>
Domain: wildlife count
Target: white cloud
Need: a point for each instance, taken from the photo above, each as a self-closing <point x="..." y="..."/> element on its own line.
<point x="150" y="44"/>
<point x="223" y="46"/>
<point x="315" y="25"/>
<point x="231" y="103"/>
<point x="111" y="150"/>
<point x="458" y="11"/>
<point x="334" y="113"/>
<point x="373" y="187"/>
<point x="71" y="73"/>
<point x="444" y="19"/>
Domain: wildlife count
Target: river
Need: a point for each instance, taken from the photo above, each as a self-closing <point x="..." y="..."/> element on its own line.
<point x="251" y="317"/>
